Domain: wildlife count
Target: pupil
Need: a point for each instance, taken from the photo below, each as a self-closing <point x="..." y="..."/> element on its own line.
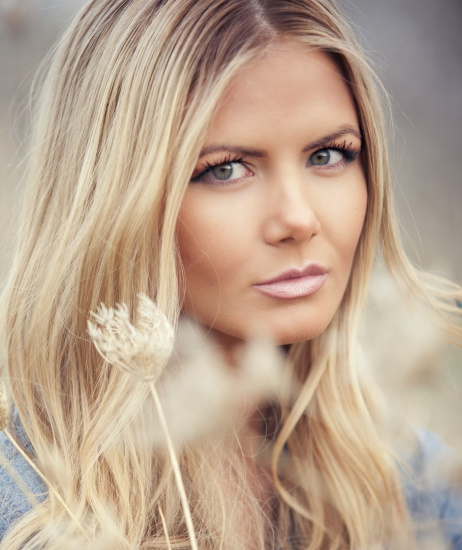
<point x="223" y="172"/>
<point x="322" y="157"/>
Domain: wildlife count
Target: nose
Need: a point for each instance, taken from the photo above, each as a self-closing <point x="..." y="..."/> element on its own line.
<point x="291" y="214"/>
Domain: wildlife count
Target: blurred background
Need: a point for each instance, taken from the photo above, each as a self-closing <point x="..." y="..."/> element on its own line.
<point x="417" y="47"/>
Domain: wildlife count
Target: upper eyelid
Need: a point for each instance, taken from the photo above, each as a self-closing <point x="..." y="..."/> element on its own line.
<point x="345" y="149"/>
<point x="343" y="145"/>
<point x="241" y="155"/>
<point x="207" y="165"/>
<point x="345" y="132"/>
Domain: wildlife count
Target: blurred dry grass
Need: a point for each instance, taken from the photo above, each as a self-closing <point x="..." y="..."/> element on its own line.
<point x="417" y="371"/>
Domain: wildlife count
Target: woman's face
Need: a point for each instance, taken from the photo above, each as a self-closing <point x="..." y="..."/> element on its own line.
<point x="270" y="221"/>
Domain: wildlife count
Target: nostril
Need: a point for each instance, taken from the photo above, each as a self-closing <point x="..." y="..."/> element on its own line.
<point x="293" y="224"/>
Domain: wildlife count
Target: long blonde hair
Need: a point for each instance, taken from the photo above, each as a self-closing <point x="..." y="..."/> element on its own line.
<point x="123" y="112"/>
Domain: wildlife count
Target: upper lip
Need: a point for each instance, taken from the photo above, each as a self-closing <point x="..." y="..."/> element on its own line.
<point x="293" y="273"/>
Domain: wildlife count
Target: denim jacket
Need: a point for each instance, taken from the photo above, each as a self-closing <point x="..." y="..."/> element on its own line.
<point x="431" y="502"/>
<point x="16" y="476"/>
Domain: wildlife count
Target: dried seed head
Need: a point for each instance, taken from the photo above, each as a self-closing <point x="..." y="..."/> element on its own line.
<point x="142" y="350"/>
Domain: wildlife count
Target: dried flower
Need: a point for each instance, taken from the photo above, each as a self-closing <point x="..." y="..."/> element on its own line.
<point x="142" y="350"/>
<point x="200" y="393"/>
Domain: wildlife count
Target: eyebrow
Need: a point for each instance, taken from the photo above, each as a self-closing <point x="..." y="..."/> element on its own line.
<point x="259" y="153"/>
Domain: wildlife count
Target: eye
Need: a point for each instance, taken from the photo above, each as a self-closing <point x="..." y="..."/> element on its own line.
<point x="224" y="172"/>
<point x="327" y="157"/>
<point x="227" y="171"/>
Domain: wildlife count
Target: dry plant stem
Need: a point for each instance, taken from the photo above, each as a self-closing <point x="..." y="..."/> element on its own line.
<point x="176" y="468"/>
<point x="164" y="525"/>
<point x="42" y="477"/>
<point x="11" y="471"/>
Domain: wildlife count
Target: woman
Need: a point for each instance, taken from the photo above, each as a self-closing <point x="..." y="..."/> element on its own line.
<point x="228" y="159"/>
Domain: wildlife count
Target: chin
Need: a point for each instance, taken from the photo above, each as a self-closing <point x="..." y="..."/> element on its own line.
<point x="299" y="332"/>
<point x="295" y="338"/>
<point x="282" y="330"/>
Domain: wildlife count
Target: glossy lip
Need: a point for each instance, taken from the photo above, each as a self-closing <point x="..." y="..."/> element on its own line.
<point x="294" y="283"/>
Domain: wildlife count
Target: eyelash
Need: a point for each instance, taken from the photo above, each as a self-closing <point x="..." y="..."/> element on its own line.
<point x="349" y="153"/>
<point x="207" y="166"/>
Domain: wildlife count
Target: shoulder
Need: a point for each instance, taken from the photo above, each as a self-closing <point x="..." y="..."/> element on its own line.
<point x="20" y="486"/>
<point x="433" y="487"/>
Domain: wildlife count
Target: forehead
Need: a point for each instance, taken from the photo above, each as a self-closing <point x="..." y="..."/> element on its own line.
<point x="288" y="85"/>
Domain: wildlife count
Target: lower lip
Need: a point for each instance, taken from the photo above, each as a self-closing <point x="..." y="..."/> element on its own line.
<point x="293" y="288"/>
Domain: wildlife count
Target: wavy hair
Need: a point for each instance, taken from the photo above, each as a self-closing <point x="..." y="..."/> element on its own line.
<point x="124" y="109"/>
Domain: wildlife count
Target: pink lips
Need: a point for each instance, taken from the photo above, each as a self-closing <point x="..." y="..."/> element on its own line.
<point x="295" y="283"/>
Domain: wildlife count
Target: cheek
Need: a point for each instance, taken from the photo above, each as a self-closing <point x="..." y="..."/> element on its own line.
<point x="353" y="224"/>
<point x="195" y="252"/>
<point x="344" y="219"/>
<point x="198" y="242"/>
<point x="197" y="267"/>
<point x="210" y="244"/>
<point x="359" y="210"/>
